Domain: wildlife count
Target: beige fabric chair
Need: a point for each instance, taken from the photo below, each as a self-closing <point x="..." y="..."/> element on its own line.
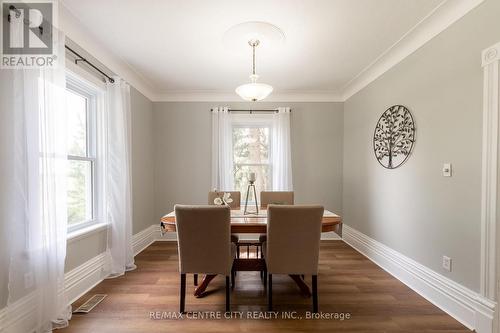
<point x="235" y="195"/>
<point x="204" y="244"/>
<point x="292" y="246"/>
<point x="276" y="197"/>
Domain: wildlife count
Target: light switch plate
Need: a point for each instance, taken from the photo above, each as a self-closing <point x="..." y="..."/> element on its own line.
<point x="447" y="170"/>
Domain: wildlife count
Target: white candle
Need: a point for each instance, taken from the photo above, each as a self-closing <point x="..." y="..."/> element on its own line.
<point x="251" y="177"/>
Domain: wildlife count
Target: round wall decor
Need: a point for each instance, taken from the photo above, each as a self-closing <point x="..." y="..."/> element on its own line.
<point x="394" y="137"/>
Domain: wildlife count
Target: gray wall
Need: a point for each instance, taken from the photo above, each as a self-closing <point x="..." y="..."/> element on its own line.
<point x="183" y="152"/>
<point x="87" y="247"/>
<point x="82" y="249"/>
<point x="142" y="162"/>
<point x="413" y="209"/>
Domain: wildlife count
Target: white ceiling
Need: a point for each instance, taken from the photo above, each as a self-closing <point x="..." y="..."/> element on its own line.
<point x="176" y="45"/>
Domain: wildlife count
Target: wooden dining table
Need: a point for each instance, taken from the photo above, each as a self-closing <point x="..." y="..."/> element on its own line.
<point x="256" y="223"/>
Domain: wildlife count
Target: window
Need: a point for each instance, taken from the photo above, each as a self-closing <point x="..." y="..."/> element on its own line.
<point x="252" y="153"/>
<point x="81" y="108"/>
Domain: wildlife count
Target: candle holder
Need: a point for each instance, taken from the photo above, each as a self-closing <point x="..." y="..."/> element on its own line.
<point x="251" y="185"/>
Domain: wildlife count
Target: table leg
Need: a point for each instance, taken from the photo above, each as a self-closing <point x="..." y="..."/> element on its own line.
<point x="304" y="289"/>
<point x="204" y="284"/>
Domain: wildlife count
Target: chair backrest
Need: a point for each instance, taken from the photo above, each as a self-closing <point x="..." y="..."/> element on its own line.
<point x="204" y="239"/>
<point x="235" y="195"/>
<point x="276" y="197"/>
<point x="293" y="237"/>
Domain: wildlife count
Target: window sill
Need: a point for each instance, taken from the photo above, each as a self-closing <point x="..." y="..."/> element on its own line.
<point x="85" y="232"/>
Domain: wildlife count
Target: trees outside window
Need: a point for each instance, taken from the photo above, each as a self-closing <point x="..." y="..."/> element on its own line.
<point x="251" y="153"/>
<point x="81" y="117"/>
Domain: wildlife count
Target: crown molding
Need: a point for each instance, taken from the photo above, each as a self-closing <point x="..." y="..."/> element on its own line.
<point x="444" y="15"/>
<point x="231" y="96"/>
<point x="447" y="13"/>
<point x="74" y="29"/>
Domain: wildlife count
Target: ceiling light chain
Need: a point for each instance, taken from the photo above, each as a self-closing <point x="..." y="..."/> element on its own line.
<point x="254" y="91"/>
<point x="253" y="44"/>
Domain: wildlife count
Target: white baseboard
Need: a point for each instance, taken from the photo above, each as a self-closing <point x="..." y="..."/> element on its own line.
<point x="150" y="235"/>
<point x="143" y="239"/>
<point x="19" y="316"/>
<point x="81" y="279"/>
<point x="463" y="304"/>
<point x="86" y="276"/>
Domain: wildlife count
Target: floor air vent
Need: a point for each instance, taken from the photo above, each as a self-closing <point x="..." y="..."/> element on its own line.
<point x="90" y="304"/>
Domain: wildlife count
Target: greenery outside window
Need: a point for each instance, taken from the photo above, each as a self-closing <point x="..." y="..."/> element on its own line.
<point x="252" y="153"/>
<point x="82" y="197"/>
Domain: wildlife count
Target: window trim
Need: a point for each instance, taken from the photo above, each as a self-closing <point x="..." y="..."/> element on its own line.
<point x="92" y="93"/>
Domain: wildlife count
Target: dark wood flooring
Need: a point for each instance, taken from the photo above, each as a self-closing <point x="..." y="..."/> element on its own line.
<point x="348" y="283"/>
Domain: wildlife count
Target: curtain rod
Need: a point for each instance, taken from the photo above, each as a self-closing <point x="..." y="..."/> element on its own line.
<point x="252" y="110"/>
<point x="80" y="58"/>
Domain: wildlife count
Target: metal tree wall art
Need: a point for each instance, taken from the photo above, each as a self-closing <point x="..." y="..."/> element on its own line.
<point x="394" y="137"/>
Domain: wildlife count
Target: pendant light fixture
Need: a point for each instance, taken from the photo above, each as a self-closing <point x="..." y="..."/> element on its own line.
<point x="254" y="91"/>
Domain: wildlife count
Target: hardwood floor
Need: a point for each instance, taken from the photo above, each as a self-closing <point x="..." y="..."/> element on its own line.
<point x="348" y="283"/>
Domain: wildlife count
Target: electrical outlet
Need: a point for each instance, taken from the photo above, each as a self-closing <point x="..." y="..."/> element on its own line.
<point x="447" y="263"/>
<point x="28" y="280"/>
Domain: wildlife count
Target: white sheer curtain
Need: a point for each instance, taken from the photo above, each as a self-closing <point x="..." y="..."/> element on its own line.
<point x="33" y="196"/>
<point x="281" y="151"/>
<point x="222" y="150"/>
<point x="118" y="183"/>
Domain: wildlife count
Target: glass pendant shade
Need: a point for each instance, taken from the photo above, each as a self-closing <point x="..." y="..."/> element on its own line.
<point x="254" y="91"/>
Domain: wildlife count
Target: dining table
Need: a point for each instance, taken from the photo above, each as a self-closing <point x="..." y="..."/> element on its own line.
<point x="255" y="222"/>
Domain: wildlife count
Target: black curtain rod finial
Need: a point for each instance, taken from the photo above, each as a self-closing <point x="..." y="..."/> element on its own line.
<point x="80" y="58"/>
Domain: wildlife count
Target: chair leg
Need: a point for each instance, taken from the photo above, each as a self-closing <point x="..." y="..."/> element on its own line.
<point x="195" y="279"/>
<point x="183" y="293"/>
<point x="264" y="274"/>
<point x="228" y="305"/>
<point x="270" y="294"/>
<point x="237" y="251"/>
<point x="233" y="273"/>
<point x="315" y="293"/>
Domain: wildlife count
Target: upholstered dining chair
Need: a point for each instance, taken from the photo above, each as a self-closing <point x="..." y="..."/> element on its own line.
<point x="276" y="197"/>
<point x="236" y="196"/>
<point x="292" y="246"/>
<point x="204" y="244"/>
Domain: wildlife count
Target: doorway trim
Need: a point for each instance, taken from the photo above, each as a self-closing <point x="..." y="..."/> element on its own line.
<point x="490" y="249"/>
